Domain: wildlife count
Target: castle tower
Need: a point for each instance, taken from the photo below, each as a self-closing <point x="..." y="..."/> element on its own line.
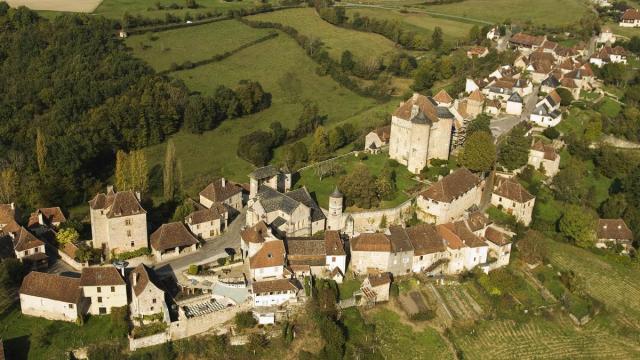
<point x="334" y="220"/>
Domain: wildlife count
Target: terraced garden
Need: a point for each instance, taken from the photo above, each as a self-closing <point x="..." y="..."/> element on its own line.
<point x="462" y="305"/>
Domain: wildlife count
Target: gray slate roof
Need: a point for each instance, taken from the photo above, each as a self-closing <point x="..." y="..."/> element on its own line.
<point x="303" y="196"/>
<point x="264" y="172"/>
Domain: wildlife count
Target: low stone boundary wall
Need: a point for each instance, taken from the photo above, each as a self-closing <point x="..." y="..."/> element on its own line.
<point x="70" y="260"/>
<point x="155" y="339"/>
<point x="367" y="221"/>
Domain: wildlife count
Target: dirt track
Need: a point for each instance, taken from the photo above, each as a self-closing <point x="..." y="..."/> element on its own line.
<point x="85" y="6"/>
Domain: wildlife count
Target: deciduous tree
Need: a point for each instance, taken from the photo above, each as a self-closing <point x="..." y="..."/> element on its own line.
<point x="479" y="152"/>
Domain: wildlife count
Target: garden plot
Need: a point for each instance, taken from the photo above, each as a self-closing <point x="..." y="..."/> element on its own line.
<point x="413" y="303"/>
<point x="85" y="6"/>
<point x="460" y="303"/>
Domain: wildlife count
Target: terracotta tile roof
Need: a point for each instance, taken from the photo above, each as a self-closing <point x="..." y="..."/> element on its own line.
<point x="426" y="107"/>
<point x="452" y="240"/>
<point x="384" y="133"/>
<point x="568" y="83"/>
<point x="477" y="50"/>
<point x="631" y="14"/>
<point x="443" y="97"/>
<point x="50" y="215"/>
<point x="217" y="211"/>
<point x="271" y="254"/>
<point x="117" y="204"/>
<point x="305" y="246"/>
<point x="476" y="95"/>
<point x="554" y="95"/>
<point x="7" y="213"/>
<point x="256" y="233"/>
<point x="452" y="186"/>
<point x="170" y="236"/>
<point x="497" y="237"/>
<point x="527" y="40"/>
<point x="101" y="276"/>
<point x="512" y="190"/>
<point x="466" y="235"/>
<point x="377" y="242"/>
<point x="262" y="287"/>
<point x="69" y="249"/>
<point x="220" y="190"/>
<point x="425" y="239"/>
<point x="333" y="243"/>
<point x="379" y="279"/>
<point x="614" y="229"/>
<point x="12" y="227"/>
<point x="548" y="150"/>
<point x="477" y="221"/>
<point x="25" y="240"/>
<point x="144" y="276"/>
<point x="399" y="239"/>
<point x="550" y="45"/>
<point x="50" y="286"/>
<point x="494" y="103"/>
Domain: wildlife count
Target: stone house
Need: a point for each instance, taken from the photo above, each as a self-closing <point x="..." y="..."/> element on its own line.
<point x="475" y="103"/>
<point x="104" y="288"/>
<point x="271" y="177"/>
<point x="222" y="191"/>
<point x="375" y="287"/>
<point x="609" y="55"/>
<point x="547" y="111"/>
<point x="28" y="248"/>
<point x="420" y="131"/>
<point x="512" y="198"/>
<point x="549" y="84"/>
<point x="542" y="156"/>
<point x="7" y="214"/>
<point x="376" y="139"/>
<point x="477" y="52"/>
<point x="118" y="222"/>
<point x="206" y="223"/>
<point x="274" y="292"/>
<point x="514" y="104"/>
<point x="381" y="252"/>
<point x="613" y="232"/>
<point x="630" y="18"/>
<point x="294" y="213"/>
<point x="450" y="197"/>
<point x="316" y="256"/>
<point x="269" y="261"/>
<point x="147" y="296"/>
<point x="526" y="43"/>
<point x="171" y="240"/>
<point x="465" y="249"/>
<point x="45" y="222"/>
<point x="252" y="238"/>
<point x="52" y="297"/>
<point x="606" y="36"/>
<point x="499" y="241"/>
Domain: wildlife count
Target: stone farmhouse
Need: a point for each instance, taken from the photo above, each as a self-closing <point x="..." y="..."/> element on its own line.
<point x="45" y="222"/>
<point x="269" y="261"/>
<point x="377" y="139"/>
<point x="512" y="198"/>
<point x="275" y="292"/>
<point x="27" y="248"/>
<point x="613" y="232"/>
<point x="52" y="297"/>
<point x="118" y="222"/>
<point x="375" y="287"/>
<point x="526" y="43"/>
<point x="421" y="131"/>
<point x="293" y="213"/>
<point x="270" y="177"/>
<point x="224" y="192"/>
<point x="385" y="252"/>
<point x="449" y="198"/>
<point x="544" y="157"/>
<point x="547" y="111"/>
<point x="317" y="256"/>
<point x="104" y="288"/>
<point x="147" y="296"/>
<point x="171" y="240"/>
<point x="630" y="18"/>
<point x="609" y="55"/>
<point x="206" y="223"/>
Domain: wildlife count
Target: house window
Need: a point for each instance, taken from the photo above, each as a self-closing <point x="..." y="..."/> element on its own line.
<point x="153" y="301"/>
<point x="132" y="244"/>
<point x="113" y="289"/>
<point x="151" y="308"/>
<point x="421" y="257"/>
<point x="26" y="252"/>
<point x="36" y="250"/>
<point x="99" y="289"/>
<point x="333" y="259"/>
<point x="99" y="299"/>
<point x="70" y="306"/>
<point x="127" y="222"/>
<point x="129" y="233"/>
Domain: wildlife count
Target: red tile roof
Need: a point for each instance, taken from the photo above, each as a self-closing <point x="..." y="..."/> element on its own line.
<point x="452" y="186"/>
<point x="271" y="254"/>
<point x="50" y="286"/>
<point x="614" y="229"/>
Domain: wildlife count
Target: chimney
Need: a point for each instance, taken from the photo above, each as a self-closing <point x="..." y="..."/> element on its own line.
<point x="414" y="110"/>
<point x="138" y="196"/>
<point x="122" y="271"/>
<point x="13" y="206"/>
<point x="40" y="218"/>
<point x="109" y="188"/>
<point x="134" y="278"/>
<point x="224" y="183"/>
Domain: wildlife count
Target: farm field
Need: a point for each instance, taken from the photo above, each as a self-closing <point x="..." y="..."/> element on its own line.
<point x="323" y="188"/>
<point x="624" y="31"/>
<point x="85" y="6"/>
<point x="195" y="43"/>
<point x="421" y="23"/>
<point x="147" y="8"/>
<point x="363" y="45"/>
<point x="214" y="152"/>
<point x="542" y="12"/>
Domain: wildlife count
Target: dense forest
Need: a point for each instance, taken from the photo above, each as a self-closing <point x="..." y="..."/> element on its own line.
<point x="71" y="95"/>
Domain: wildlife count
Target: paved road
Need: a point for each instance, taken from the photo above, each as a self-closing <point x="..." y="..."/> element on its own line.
<point x="210" y="251"/>
<point x="504" y="123"/>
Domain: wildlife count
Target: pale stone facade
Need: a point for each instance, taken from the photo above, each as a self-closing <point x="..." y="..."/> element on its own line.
<point x="449" y="198"/>
<point x="118" y="222"/>
<point x="543" y="156"/>
<point x="420" y="131"/>
<point x="147" y="298"/>
<point x="49" y="308"/>
<point x="104" y="288"/>
<point x="512" y="198"/>
<point x="52" y="297"/>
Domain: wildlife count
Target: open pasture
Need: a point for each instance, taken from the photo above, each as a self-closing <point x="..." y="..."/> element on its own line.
<point x="85" y="6"/>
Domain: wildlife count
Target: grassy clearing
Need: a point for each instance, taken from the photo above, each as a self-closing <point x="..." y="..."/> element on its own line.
<point x="16" y="330"/>
<point x="363" y="45"/>
<point x="609" y="107"/>
<point x="375" y="163"/>
<point x="555" y="338"/>
<point x="543" y="12"/>
<point x="348" y="287"/>
<point x="196" y="43"/>
<point x="214" y="152"/>
<point x="420" y="23"/>
<point x="624" y="31"/>
<point x="399" y="341"/>
<point x="147" y="8"/>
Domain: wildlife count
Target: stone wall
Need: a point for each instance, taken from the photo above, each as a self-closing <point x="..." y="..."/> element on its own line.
<point x="70" y="260"/>
<point x="368" y="221"/>
<point x="147" y="341"/>
<point x="197" y="325"/>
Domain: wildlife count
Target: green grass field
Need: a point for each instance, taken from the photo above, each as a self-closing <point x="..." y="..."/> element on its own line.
<point x="420" y="23"/>
<point x="214" y="152"/>
<point x="540" y="12"/>
<point x="16" y="331"/>
<point x="147" y="8"/>
<point x="363" y="45"/>
<point x="196" y="43"/>
<point x="375" y="163"/>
